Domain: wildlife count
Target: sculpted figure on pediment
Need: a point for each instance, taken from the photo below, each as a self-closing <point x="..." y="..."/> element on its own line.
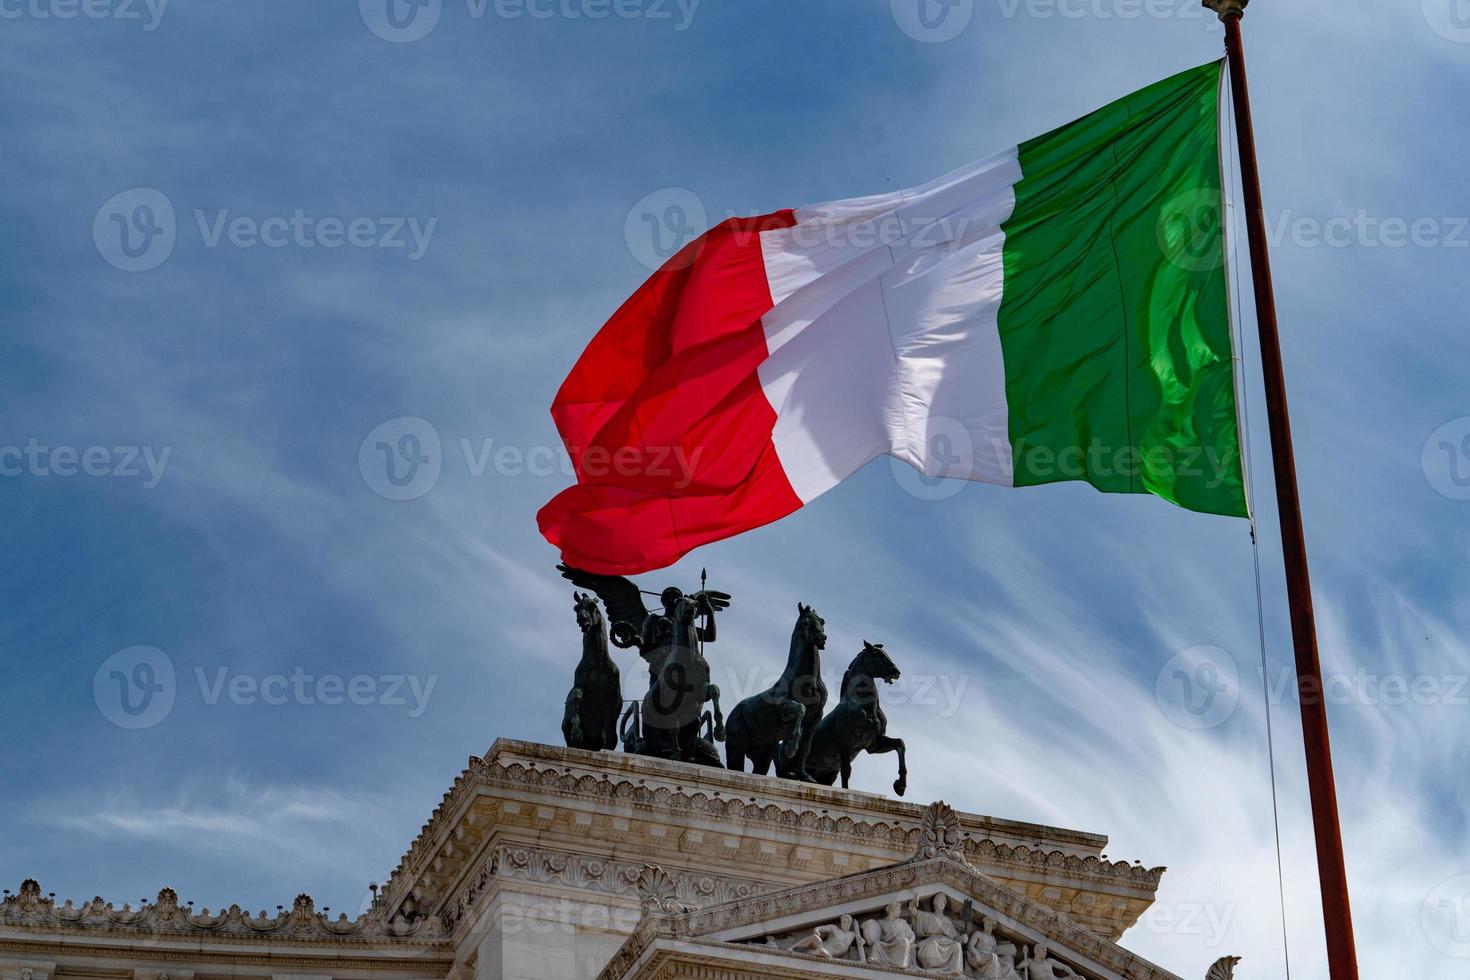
<point x="941" y="945"/>
<point x="889" y="940"/>
<point x="833" y="941"/>
<point x="1039" y="965"/>
<point x="988" y="957"/>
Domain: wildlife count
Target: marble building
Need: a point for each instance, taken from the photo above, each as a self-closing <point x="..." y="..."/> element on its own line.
<point x="545" y="863"/>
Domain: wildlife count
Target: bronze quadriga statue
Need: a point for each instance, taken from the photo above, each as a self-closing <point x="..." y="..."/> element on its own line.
<point x="679" y="718"/>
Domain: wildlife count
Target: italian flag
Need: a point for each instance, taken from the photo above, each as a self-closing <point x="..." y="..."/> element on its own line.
<point x="1057" y="311"/>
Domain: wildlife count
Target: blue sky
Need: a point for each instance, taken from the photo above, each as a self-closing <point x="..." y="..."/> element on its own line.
<point x="222" y="510"/>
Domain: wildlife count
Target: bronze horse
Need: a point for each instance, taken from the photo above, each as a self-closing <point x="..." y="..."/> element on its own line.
<point x="783" y="718"/>
<point x="857" y="724"/>
<point x="591" y="718"/>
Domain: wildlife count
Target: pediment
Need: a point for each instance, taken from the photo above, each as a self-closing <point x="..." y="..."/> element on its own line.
<point x="935" y="918"/>
<point x="935" y="915"/>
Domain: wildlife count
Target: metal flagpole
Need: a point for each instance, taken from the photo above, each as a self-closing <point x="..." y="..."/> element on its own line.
<point x="1337" y="915"/>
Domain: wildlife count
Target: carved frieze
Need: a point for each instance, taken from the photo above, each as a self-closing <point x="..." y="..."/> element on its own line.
<point x="586" y="873"/>
<point x="929" y="936"/>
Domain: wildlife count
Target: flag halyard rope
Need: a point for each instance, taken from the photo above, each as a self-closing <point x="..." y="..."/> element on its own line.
<point x="1249" y="471"/>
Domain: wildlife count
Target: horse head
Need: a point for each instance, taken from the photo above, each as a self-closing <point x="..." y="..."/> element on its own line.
<point x="874" y="662"/>
<point x="811" y="629"/>
<point x="589" y="614"/>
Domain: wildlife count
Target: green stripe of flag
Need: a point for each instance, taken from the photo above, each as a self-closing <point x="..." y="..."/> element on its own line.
<point x="1115" y="322"/>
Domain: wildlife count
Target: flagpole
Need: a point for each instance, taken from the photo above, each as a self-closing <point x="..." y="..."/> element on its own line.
<point x="1337" y="915"/>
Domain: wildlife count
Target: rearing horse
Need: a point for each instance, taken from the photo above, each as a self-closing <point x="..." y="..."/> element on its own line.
<point x="857" y="724"/>
<point x="784" y="717"/>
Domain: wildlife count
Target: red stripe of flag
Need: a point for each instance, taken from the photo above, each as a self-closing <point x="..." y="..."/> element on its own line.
<point x="664" y="416"/>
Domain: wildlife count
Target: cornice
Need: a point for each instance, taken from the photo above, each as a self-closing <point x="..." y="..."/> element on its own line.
<point x="606" y="782"/>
